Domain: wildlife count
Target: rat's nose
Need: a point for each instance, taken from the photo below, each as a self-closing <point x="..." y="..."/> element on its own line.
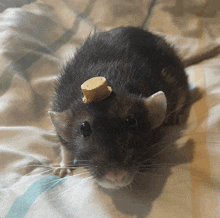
<point x="116" y="177"/>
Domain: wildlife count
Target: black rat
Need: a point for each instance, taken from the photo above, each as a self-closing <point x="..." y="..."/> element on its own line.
<point x="112" y="137"/>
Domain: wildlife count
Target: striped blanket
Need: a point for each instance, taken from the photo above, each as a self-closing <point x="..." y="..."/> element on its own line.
<point x="36" y="39"/>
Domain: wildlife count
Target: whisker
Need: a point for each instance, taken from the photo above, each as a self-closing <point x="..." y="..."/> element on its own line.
<point x="38" y="165"/>
<point x="83" y="161"/>
<point x="66" y="167"/>
<point x="54" y="182"/>
<point x="34" y="175"/>
<point x="83" y="165"/>
<point x="63" y="192"/>
<point x="156" y="154"/>
<point x="82" y="181"/>
<point x="80" y="174"/>
<point x="154" y="165"/>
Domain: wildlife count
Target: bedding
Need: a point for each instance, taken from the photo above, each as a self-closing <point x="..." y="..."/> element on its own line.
<point x="36" y="40"/>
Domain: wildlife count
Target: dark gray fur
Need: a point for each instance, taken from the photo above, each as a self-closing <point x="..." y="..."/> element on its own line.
<point x="136" y="64"/>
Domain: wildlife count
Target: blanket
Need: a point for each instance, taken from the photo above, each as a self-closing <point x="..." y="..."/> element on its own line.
<point x="37" y="38"/>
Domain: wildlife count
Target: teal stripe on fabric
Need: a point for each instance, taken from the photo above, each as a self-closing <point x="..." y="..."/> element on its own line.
<point x="88" y="8"/>
<point x="149" y="15"/>
<point x="22" y="204"/>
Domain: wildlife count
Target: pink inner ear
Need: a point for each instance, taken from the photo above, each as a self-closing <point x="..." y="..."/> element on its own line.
<point x="157" y="106"/>
<point x="60" y="121"/>
<point x="118" y="177"/>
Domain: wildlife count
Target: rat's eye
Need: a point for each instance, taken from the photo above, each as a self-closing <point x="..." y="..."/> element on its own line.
<point x="131" y="123"/>
<point x="85" y="129"/>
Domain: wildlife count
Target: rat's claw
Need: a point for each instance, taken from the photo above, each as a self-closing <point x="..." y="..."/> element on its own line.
<point x="61" y="171"/>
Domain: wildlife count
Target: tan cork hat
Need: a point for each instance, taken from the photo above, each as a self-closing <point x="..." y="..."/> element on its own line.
<point x="95" y="89"/>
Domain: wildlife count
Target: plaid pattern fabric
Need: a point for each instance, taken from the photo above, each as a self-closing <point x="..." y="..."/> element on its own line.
<point x="36" y="40"/>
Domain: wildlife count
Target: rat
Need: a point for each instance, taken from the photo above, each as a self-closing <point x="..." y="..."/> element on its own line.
<point x="113" y="137"/>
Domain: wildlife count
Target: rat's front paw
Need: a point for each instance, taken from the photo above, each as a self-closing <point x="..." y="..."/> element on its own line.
<point x="62" y="170"/>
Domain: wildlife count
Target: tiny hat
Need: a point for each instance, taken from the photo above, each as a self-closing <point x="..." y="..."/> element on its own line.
<point x="95" y="89"/>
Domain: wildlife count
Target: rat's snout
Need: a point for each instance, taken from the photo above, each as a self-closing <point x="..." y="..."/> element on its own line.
<point x="116" y="177"/>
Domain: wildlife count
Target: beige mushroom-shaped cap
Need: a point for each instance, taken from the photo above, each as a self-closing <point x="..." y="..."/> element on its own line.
<point x="95" y="89"/>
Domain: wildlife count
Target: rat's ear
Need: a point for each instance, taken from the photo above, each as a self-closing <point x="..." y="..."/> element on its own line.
<point x="60" y="122"/>
<point x="157" y="107"/>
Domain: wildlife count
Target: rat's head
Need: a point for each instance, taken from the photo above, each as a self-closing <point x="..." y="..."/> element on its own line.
<point x="111" y="137"/>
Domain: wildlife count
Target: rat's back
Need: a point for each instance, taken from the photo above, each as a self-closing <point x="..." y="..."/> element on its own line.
<point x="131" y="59"/>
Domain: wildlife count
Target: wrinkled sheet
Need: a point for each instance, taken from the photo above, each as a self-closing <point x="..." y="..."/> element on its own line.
<point x="36" y="40"/>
